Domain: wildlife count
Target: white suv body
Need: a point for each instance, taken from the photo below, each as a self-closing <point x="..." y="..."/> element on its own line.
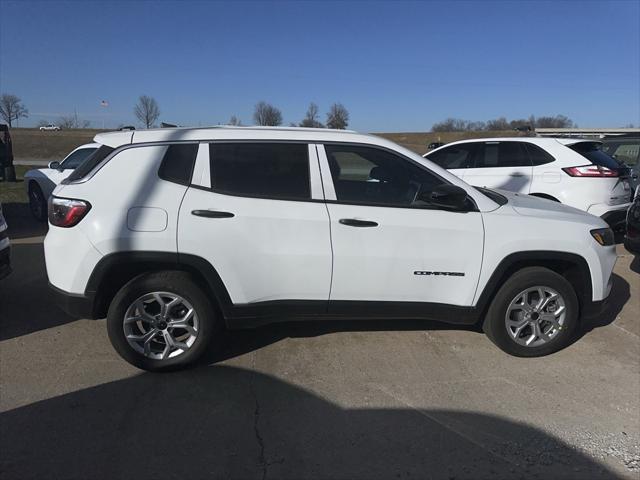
<point x="574" y="172"/>
<point x="270" y="224"/>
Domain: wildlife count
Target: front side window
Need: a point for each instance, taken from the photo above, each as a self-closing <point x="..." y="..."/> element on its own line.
<point x="501" y="154"/>
<point x="76" y="158"/>
<point x="372" y="176"/>
<point x="455" y="156"/>
<point x="266" y="170"/>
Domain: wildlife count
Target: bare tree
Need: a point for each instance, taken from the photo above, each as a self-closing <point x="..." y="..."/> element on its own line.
<point x="147" y="110"/>
<point x="72" y="121"/>
<point x="450" y="125"/>
<point x="498" y="124"/>
<point x="311" y="118"/>
<point x="11" y="108"/>
<point x="338" y="117"/>
<point x="267" y="115"/>
<point x="235" y="121"/>
<point x="559" y="121"/>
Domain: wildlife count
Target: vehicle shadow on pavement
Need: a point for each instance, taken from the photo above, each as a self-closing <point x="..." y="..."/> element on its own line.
<point x="21" y="223"/>
<point x="635" y="264"/>
<point x="26" y="304"/>
<point x="234" y="343"/>
<point x="619" y="296"/>
<point x="226" y="422"/>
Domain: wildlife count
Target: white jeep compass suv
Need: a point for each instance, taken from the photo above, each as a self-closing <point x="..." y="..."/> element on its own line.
<point x="174" y="233"/>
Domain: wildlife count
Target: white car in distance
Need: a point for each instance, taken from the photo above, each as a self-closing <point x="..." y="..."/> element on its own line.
<point x="49" y="127"/>
<point x="572" y="171"/>
<point x="41" y="182"/>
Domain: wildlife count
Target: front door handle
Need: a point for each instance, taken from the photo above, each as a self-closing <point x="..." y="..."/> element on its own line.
<point x="352" y="222"/>
<point x="516" y="174"/>
<point x="211" y="214"/>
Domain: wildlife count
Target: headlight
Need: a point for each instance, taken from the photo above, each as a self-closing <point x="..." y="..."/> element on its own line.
<point x="604" y="236"/>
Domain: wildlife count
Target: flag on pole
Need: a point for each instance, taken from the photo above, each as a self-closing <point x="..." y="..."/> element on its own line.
<point x="104" y="103"/>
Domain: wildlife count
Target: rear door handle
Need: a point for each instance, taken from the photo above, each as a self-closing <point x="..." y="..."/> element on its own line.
<point x="211" y="214"/>
<point x="352" y="222"/>
<point x="516" y="174"/>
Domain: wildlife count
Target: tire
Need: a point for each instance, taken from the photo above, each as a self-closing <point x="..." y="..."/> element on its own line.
<point x="151" y="354"/>
<point x="503" y="325"/>
<point x="37" y="202"/>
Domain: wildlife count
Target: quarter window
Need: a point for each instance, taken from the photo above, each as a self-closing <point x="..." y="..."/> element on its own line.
<point x="373" y="176"/>
<point x="266" y="170"/>
<point x="537" y="155"/>
<point x="177" y="163"/>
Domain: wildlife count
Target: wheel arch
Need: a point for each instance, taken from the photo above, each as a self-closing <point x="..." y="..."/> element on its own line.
<point x="114" y="270"/>
<point x="571" y="266"/>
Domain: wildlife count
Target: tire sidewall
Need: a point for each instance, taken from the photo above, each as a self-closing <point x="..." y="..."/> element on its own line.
<point x="495" y="326"/>
<point x="180" y="284"/>
<point x="34" y="189"/>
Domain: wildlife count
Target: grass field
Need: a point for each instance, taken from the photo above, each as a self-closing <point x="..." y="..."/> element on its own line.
<point x="31" y="143"/>
<point x="14" y="192"/>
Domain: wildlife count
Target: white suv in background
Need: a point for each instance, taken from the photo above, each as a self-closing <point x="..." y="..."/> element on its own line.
<point x="174" y="233"/>
<point x="575" y="172"/>
<point x="41" y="182"/>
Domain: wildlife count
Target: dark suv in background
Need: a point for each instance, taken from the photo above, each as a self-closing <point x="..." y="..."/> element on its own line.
<point x="625" y="149"/>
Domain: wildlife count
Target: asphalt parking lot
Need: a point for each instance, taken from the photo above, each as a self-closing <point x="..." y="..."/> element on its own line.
<point x="335" y="400"/>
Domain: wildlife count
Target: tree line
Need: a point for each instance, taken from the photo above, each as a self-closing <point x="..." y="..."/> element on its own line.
<point x="501" y="123"/>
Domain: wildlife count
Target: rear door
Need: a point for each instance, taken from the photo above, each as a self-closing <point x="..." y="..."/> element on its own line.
<point x="504" y="165"/>
<point x="255" y="212"/>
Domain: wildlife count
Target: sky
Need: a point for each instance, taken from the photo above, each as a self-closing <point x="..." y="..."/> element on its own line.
<point x="396" y="66"/>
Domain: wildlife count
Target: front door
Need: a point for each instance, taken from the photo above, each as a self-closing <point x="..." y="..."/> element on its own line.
<point x="388" y="244"/>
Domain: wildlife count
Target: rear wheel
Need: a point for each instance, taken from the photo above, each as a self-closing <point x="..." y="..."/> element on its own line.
<point x="37" y="202"/>
<point x="535" y="313"/>
<point x="161" y="321"/>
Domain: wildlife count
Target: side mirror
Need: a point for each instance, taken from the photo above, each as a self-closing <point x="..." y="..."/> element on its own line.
<point x="55" y="165"/>
<point x="450" y="197"/>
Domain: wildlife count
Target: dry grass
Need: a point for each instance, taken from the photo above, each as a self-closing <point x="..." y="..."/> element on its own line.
<point x="31" y="143"/>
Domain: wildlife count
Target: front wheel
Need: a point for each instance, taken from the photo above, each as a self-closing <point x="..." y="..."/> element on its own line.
<point x="535" y="313"/>
<point x="161" y="321"/>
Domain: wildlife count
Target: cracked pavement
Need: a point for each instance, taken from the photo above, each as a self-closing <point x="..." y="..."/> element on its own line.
<point x="335" y="400"/>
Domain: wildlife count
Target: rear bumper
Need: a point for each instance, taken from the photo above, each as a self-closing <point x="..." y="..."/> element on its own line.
<point x="5" y="262"/>
<point x="77" y="306"/>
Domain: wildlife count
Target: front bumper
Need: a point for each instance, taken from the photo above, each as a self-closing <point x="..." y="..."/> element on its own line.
<point x="615" y="216"/>
<point x="75" y="305"/>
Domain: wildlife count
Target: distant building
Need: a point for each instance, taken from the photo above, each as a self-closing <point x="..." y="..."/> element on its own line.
<point x="585" y="132"/>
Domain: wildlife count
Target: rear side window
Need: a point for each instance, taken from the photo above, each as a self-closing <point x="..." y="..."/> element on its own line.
<point x="501" y="154"/>
<point x="537" y="155"/>
<point x="91" y="162"/>
<point x="177" y="163"/>
<point x="455" y="156"/>
<point x="592" y="151"/>
<point x="265" y="170"/>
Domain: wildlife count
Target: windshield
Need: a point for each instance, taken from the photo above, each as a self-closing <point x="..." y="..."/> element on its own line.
<point x="77" y="157"/>
<point x="592" y="151"/>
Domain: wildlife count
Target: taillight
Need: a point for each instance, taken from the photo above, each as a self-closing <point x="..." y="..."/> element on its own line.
<point x="591" y="171"/>
<point x="67" y="212"/>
